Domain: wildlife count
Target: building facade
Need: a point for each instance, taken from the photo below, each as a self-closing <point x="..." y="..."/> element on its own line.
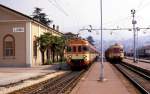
<point x="18" y="33"/>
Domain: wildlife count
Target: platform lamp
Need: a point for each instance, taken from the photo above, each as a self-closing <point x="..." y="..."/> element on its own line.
<point x="101" y="78"/>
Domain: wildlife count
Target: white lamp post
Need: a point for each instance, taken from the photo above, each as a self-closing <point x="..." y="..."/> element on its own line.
<point x="101" y="63"/>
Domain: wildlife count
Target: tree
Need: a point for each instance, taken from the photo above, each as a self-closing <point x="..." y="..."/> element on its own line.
<point x="57" y="46"/>
<point x="90" y="40"/>
<point x="36" y="13"/>
<point x="54" y="43"/>
<point x="60" y="47"/>
<point x="42" y="17"/>
<point x="44" y="42"/>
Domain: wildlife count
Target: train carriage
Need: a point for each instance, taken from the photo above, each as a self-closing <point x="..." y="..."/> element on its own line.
<point x="114" y="53"/>
<point x="80" y="53"/>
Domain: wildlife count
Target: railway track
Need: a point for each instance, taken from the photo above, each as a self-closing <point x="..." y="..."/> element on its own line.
<point x="59" y="85"/>
<point x="139" y="78"/>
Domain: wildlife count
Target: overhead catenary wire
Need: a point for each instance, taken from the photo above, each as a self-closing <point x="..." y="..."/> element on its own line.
<point x="58" y="7"/>
<point x="129" y="29"/>
<point x="116" y="21"/>
<point x="62" y="8"/>
<point x="56" y="4"/>
<point x="142" y="5"/>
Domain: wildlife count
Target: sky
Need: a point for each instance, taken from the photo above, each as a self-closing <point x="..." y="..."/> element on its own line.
<point x="73" y="15"/>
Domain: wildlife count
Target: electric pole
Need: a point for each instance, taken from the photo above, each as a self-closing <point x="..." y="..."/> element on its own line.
<point x="134" y="33"/>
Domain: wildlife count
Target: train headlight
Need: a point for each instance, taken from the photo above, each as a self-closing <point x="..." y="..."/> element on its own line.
<point x="69" y="56"/>
<point x="84" y="57"/>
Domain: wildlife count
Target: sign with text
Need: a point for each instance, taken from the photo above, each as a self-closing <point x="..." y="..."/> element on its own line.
<point x="18" y="29"/>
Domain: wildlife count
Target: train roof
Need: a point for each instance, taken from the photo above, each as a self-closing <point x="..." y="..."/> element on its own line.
<point x="116" y="45"/>
<point x="80" y="41"/>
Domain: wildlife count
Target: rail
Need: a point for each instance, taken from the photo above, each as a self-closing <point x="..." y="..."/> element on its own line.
<point x="137" y="77"/>
<point x="58" y="85"/>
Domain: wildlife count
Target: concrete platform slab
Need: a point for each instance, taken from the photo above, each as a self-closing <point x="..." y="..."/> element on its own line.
<point x="141" y="64"/>
<point x="89" y="84"/>
<point x="10" y="75"/>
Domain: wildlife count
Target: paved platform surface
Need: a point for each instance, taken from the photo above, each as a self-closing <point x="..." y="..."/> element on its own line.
<point x="10" y="75"/>
<point x="138" y="64"/>
<point x="15" y="75"/>
<point x="89" y="84"/>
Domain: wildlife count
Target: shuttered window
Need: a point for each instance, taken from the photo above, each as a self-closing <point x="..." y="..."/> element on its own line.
<point x="8" y="46"/>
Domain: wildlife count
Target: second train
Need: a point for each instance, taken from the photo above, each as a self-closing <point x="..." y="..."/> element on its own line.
<point x="115" y="53"/>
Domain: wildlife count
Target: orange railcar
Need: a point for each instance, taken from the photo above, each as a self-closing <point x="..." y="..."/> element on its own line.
<point x="80" y="53"/>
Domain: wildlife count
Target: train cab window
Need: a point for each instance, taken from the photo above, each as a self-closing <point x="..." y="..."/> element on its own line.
<point x="79" y="49"/>
<point x="68" y="49"/>
<point x="121" y="50"/>
<point x="74" y="48"/>
<point x="85" y="48"/>
<point x="116" y="50"/>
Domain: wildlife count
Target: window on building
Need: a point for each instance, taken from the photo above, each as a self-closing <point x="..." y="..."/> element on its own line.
<point x="8" y="45"/>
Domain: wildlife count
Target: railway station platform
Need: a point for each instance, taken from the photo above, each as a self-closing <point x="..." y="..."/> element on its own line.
<point x="12" y="79"/>
<point x="114" y="84"/>
<point x="142" y="64"/>
<point x="9" y="75"/>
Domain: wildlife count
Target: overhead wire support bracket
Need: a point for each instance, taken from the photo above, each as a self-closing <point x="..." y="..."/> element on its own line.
<point x="129" y="29"/>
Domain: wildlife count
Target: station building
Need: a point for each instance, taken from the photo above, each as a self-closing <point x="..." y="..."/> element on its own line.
<point x="18" y="33"/>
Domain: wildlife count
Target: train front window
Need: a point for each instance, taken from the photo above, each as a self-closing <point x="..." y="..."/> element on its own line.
<point x="68" y="49"/>
<point x="116" y="50"/>
<point x="121" y="50"/>
<point x="85" y="48"/>
<point x="79" y="48"/>
<point x="74" y="48"/>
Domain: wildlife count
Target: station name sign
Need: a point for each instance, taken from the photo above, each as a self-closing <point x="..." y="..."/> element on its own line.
<point x="18" y="29"/>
